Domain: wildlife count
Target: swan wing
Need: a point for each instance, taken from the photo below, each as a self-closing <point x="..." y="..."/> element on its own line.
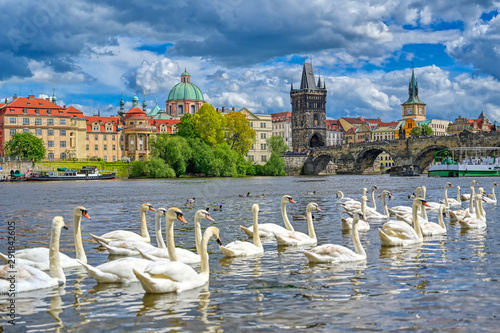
<point x="123" y="235"/>
<point x="239" y="249"/>
<point x="172" y="270"/>
<point x="38" y="257"/>
<point x="399" y="229"/>
<point x="27" y="278"/>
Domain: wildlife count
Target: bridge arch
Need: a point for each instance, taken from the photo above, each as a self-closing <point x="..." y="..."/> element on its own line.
<point x="320" y="163"/>
<point x="366" y="157"/>
<point x="426" y="155"/>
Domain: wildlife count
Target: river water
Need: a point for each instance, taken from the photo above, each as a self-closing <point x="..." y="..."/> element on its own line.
<point x="449" y="283"/>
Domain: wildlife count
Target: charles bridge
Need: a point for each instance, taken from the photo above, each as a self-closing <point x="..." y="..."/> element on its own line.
<point x="356" y="158"/>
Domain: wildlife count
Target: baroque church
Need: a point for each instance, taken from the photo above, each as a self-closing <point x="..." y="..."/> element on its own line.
<point x="308" y="112"/>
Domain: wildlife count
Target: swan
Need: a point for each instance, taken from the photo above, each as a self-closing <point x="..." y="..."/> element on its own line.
<point x="398" y="233"/>
<point x="38" y="257"/>
<point x="28" y="278"/>
<point x="270" y="229"/>
<point x="243" y="249"/>
<point x="475" y="222"/>
<point x="493" y="198"/>
<point x="434" y="205"/>
<point x="299" y="238"/>
<point x="332" y="253"/>
<point x="131" y="248"/>
<point x="340" y="197"/>
<point x="353" y="205"/>
<point x="449" y="202"/>
<point x="125" y="235"/>
<point x="402" y="210"/>
<point x="408" y="218"/>
<point x="164" y="276"/>
<point x="460" y="214"/>
<point x="179" y="254"/>
<point x="433" y="229"/>
<point x="371" y="213"/>
<point x="467" y="196"/>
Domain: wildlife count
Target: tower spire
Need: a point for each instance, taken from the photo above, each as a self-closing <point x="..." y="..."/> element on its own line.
<point x="54" y="98"/>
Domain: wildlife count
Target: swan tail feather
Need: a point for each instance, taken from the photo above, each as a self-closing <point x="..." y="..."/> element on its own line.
<point x="150" y="285"/>
<point x="4" y="258"/>
<point x="146" y="255"/>
<point x="453" y="217"/>
<point x="312" y="257"/>
<point x="247" y="231"/>
<point x="385" y="240"/>
<point x="100" y="239"/>
<point x="97" y="274"/>
<point x="345" y="226"/>
<point x="118" y="251"/>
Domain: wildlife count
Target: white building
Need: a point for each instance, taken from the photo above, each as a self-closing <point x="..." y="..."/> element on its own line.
<point x="282" y="126"/>
<point x="439" y="126"/>
<point x="334" y="133"/>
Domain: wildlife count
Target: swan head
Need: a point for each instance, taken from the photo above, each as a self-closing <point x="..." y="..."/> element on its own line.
<point x="495" y="184"/>
<point x="474" y="182"/>
<point x="203" y="214"/>
<point x="420" y="201"/>
<point x="176" y="213"/>
<point x="387" y="193"/>
<point x="214" y="231"/>
<point x="161" y="211"/>
<point x="374" y="187"/>
<point x="287" y="198"/>
<point x="448" y="184"/>
<point x="358" y="216"/>
<point x="80" y="210"/>
<point x="313" y="206"/>
<point x="147" y="206"/>
<point x="255" y="208"/>
<point x="58" y="223"/>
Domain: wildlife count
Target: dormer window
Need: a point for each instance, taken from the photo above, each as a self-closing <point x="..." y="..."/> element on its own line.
<point x="37" y="111"/>
<point x="49" y="111"/>
<point x="25" y="110"/>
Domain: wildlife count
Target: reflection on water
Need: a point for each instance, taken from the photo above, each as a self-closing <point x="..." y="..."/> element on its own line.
<point x="449" y="282"/>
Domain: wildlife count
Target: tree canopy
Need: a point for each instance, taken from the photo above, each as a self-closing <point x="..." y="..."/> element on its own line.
<point x="416" y="131"/>
<point x="277" y="145"/>
<point x="426" y="130"/>
<point x="186" y="127"/>
<point x="209" y="125"/>
<point x="239" y="135"/>
<point x="26" y="146"/>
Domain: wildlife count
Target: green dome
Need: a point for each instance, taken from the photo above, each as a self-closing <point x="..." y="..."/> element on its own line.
<point x="135" y="98"/>
<point x="185" y="91"/>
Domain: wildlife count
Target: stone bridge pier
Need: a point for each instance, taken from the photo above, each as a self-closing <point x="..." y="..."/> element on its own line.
<point x="358" y="157"/>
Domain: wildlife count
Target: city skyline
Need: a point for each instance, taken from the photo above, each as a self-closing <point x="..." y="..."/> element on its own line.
<point x="246" y="54"/>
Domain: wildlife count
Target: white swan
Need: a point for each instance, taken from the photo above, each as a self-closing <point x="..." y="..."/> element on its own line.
<point x="243" y="249"/>
<point x="371" y="213"/>
<point x="479" y="220"/>
<point x="353" y="205"/>
<point x="28" y="278"/>
<point x="460" y="214"/>
<point x="448" y="202"/>
<point x="403" y="210"/>
<point x="180" y="254"/>
<point x="270" y="229"/>
<point x="129" y="235"/>
<point x="430" y="204"/>
<point x="164" y="276"/>
<point x="38" y="257"/>
<point x="493" y="198"/>
<point x="433" y="229"/>
<point x="408" y="218"/>
<point x="131" y="248"/>
<point x="398" y="233"/>
<point x="332" y="253"/>
<point x="467" y="196"/>
<point x="363" y="225"/>
<point x="299" y="238"/>
<point x="340" y="197"/>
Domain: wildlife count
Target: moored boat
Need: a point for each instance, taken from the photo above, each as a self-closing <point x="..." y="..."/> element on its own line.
<point x="63" y="174"/>
<point x="465" y="162"/>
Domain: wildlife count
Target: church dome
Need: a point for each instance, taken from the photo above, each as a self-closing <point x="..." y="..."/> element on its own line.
<point x="185" y="90"/>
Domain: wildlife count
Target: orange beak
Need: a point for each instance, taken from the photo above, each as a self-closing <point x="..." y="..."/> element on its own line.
<point x="86" y="215"/>
<point x="319" y="209"/>
<point x="219" y="241"/>
<point x="181" y="218"/>
<point x="209" y="217"/>
<point x="151" y="208"/>
<point x="425" y="204"/>
<point x="292" y="201"/>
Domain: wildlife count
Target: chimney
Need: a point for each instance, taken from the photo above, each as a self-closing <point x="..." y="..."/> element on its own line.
<point x="217" y="109"/>
<point x="223" y="109"/>
<point x="31" y="96"/>
<point x="5" y="100"/>
<point x="48" y="99"/>
<point x="233" y="108"/>
<point x="14" y="97"/>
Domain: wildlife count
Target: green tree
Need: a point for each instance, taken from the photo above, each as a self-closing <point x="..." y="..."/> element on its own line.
<point x="137" y="169"/>
<point x="26" y="146"/>
<point x="277" y="145"/>
<point x="239" y="135"/>
<point x="157" y="168"/>
<point x="186" y="127"/>
<point x="177" y="154"/>
<point x="275" y="166"/>
<point x="209" y="125"/>
<point x="159" y="144"/>
<point x="226" y="161"/>
<point x="426" y="130"/>
<point x="416" y="131"/>
<point x="201" y="158"/>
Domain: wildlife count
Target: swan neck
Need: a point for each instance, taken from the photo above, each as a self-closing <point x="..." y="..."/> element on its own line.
<point x="459" y="199"/>
<point x="424" y="192"/>
<point x="416" y="222"/>
<point x="205" y="268"/>
<point x="310" y="224"/>
<point x="363" y="205"/>
<point x="197" y="233"/>
<point x="77" y="235"/>
<point x="440" y="218"/>
<point x="286" y="221"/>
<point x="494" y="197"/>
<point x="358" y="247"/>
<point x="172" y="254"/>
<point x="158" y="232"/>
<point x="472" y="201"/>
<point x="56" y="270"/>
<point x="341" y="195"/>
<point x="374" y="204"/>
<point x="384" y="205"/>
<point x="446" y="196"/>
<point x="256" y="236"/>
<point x="144" y="226"/>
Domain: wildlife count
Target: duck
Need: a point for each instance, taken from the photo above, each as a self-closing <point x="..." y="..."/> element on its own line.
<point x="218" y="209"/>
<point x="180" y="254"/>
<point x="165" y="276"/>
<point x="333" y="253"/>
<point x="245" y="195"/>
<point x="311" y="193"/>
<point x="244" y="249"/>
<point x="491" y="198"/>
<point x="412" y="196"/>
<point x="125" y="235"/>
<point x="261" y="196"/>
<point x="131" y="248"/>
<point x="467" y="196"/>
<point x="29" y="278"/>
<point x="270" y="229"/>
<point x="39" y="257"/>
<point x="433" y="229"/>
<point x="398" y="233"/>
<point x="295" y="238"/>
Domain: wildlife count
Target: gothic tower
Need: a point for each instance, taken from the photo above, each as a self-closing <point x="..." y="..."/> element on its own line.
<point x="413" y="108"/>
<point x="308" y="112"/>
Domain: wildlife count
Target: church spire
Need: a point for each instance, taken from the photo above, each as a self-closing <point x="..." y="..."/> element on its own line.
<point x="144" y="105"/>
<point x="122" y="105"/>
<point x="54" y="98"/>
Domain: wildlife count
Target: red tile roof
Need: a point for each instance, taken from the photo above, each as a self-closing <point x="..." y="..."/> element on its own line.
<point x="135" y="112"/>
<point x="115" y="121"/>
<point x="32" y="104"/>
<point x="168" y="122"/>
<point x="281" y="116"/>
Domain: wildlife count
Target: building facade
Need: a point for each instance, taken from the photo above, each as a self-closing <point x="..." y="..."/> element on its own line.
<point x="481" y="124"/>
<point x="282" y="126"/>
<point x="439" y="126"/>
<point x="184" y="97"/>
<point x="262" y="124"/>
<point x="413" y="108"/>
<point x="308" y="112"/>
<point x="334" y="133"/>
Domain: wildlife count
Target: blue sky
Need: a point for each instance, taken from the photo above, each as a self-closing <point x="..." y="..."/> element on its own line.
<point x="246" y="53"/>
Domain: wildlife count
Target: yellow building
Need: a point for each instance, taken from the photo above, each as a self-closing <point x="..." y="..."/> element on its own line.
<point x="263" y="126"/>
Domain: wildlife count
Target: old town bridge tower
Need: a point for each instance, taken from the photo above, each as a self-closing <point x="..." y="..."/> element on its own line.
<point x="308" y="112"/>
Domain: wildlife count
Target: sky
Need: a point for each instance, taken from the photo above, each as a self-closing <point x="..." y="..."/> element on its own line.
<point x="247" y="53"/>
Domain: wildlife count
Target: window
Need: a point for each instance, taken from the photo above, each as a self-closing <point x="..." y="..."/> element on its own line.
<point x="50" y="156"/>
<point x="96" y="147"/>
<point x="95" y="127"/>
<point x="250" y="157"/>
<point x="62" y="144"/>
<point x="105" y="147"/>
<point x="251" y="124"/>
<point x="114" y="147"/>
<point x="192" y="109"/>
<point x="62" y="121"/>
<point x="26" y="130"/>
<point x="50" y="132"/>
<point x="12" y="120"/>
<point x="408" y="111"/>
<point x="114" y="158"/>
<point x="262" y="125"/>
<point x="62" y="132"/>
<point x="87" y="147"/>
<point x="105" y="137"/>
<point x="262" y="146"/>
<point x="252" y="148"/>
<point x="87" y="137"/>
<point x="263" y="158"/>
<point x="38" y="131"/>
<point x="49" y="111"/>
<point x="38" y="121"/>
<point x="37" y="111"/>
<point x="50" y="144"/>
<point x="180" y="108"/>
<point x="113" y="137"/>
<point x="25" y="110"/>
<point x="96" y="137"/>
<point x="50" y="122"/>
<point x="105" y="158"/>
<point x="12" y="131"/>
<point x="262" y="135"/>
<point x="63" y="156"/>
<point x="109" y="127"/>
<point x="26" y="121"/>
